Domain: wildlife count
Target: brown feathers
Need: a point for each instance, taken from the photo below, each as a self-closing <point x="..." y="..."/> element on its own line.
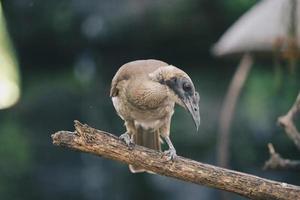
<point x="134" y="68"/>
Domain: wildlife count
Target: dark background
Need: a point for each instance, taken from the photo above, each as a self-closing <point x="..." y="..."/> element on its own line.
<point x="68" y="52"/>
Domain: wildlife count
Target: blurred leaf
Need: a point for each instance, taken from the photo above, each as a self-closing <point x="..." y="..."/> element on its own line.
<point x="9" y="75"/>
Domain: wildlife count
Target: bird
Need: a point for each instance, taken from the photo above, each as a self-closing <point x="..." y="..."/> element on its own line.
<point x="144" y="93"/>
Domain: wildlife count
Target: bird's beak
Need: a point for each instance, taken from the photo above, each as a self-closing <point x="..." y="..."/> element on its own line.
<point x="192" y="105"/>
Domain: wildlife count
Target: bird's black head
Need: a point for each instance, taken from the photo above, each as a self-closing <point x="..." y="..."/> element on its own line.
<point x="184" y="89"/>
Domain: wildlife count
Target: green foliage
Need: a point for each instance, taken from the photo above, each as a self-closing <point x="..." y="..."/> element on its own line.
<point x="265" y="97"/>
<point x="259" y="94"/>
<point x="238" y="6"/>
<point x="14" y="149"/>
<point x="16" y="158"/>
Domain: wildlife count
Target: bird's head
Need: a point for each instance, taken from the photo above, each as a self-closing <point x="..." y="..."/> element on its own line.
<point x="181" y="89"/>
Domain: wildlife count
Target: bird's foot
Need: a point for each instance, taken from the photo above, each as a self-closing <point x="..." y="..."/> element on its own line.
<point x="170" y="154"/>
<point x="127" y="139"/>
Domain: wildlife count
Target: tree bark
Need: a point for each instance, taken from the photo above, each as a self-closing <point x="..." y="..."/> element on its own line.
<point x="90" y="140"/>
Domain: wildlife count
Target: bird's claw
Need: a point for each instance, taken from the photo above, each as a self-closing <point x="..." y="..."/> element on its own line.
<point x="126" y="138"/>
<point x="170" y="154"/>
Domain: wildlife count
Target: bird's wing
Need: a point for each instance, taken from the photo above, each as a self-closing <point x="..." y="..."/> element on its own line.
<point x="134" y="69"/>
<point x="145" y="94"/>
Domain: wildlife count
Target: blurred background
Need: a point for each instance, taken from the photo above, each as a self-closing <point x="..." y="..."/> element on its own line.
<point x="60" y="57"/>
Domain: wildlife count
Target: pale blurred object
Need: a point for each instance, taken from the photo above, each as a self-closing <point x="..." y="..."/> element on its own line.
<point x="9" y="72"/>
<point x="265" y="27"/>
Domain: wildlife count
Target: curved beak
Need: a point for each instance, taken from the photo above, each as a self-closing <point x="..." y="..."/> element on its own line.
<point x="192" y="105"/>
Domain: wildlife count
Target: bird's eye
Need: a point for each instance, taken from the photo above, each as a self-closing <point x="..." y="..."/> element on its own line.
<point x="186" y="86"/>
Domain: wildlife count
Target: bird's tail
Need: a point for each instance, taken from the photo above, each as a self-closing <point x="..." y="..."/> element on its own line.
<point x="146" y="138"/>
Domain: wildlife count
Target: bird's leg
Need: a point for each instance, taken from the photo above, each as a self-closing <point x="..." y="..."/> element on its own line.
<point x="171" y="153"/>
<point x="127" y="137"/>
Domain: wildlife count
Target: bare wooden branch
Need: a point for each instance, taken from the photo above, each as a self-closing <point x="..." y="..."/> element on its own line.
<point x="287" y="123"/>
<point x="277" y="162"/>
<point x="90" y="140"/>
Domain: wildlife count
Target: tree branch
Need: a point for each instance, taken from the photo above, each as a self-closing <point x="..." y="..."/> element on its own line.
<point x="287" y="123"/>
<point x="277" y="162"/>
<point x="90" y="140"/>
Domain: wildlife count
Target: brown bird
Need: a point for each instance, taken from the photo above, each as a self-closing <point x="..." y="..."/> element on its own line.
<point x="144" y="93"/>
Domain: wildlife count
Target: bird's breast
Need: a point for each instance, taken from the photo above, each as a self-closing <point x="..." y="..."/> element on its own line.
<point x="148" y="119"/>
